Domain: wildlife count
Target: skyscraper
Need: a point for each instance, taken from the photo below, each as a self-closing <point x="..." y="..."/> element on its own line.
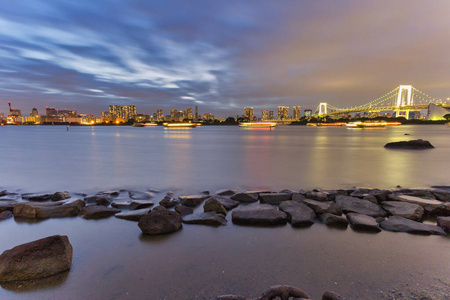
<point x="265" y="114"/>
<point x="248" y="113"/>
<point x="129" y="112"/>
<point x="271" y="115"/>
<point x="296" y="113"/>
<point x="283" y="112"/>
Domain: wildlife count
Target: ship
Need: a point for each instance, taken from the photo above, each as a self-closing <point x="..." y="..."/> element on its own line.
<point x="181" y="125"/>
<point x="257" y="124"/>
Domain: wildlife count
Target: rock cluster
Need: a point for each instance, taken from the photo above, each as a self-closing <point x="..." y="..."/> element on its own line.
<point x="412" y="144"/>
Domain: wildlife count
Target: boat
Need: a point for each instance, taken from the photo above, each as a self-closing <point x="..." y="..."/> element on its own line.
<point x="369" y="124"/>
<point x="150" y="124"/>
<point x="257" y="124"/>
<point x="181" y="125"/>
<point x="138" y="125"/>
<point x="335" y="124"/>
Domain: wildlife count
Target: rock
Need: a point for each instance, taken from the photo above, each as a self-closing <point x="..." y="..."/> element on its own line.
<point x="262" y="214"/>
<point x="230" y="297"/>
<point x="429" y="205"/>
<point x="121" y="204"/>
<point x="135" y="195"/>
<point x="404" y="209"/>
<point x="286" y="191"/>
<point x="396" y="223"/>
<point x="139" y="204"/>
<point x="283" y="292"/>
<point x="299" y="214"/>
<point x="184" y="210"/>
<point x="245" y="197"/>
<point x="226" y="192"/>
<point x="371" y="198"/>
<point x="4" y="193"/>
<point x="329" y="295"/>
<point x="193" y="200"/>
<point x="412" y="144"/>
<point x="441" y="195"/>
<point x="444" y="223"/>
<point x="6" y="215"/>
<point x="35" y="210"/>
<point x="37" y="197"/>
<point x="360" y="193"/>
<point x="207" y="218"/>
<point x="363" y="222"/>
<point x="333" y="220"/>
<point x="227" y="203"/>
<point x="37" y="259"/>
<point x="324" y="207"/>
<point x="169" y="202"/>
<point x="94" y="212"/>
<point x="160" y="222"/>
<point x="110" y="193"/>
<point x="298" y="197"/>
<point x="356" y="205"/>
<point x="274" y="198"/>
<point x="215" y="206"/>
<point x="134" y="215"/>
<point x="443" y="211"/>
<point x="100" y="199"/>
<point x="7" y="205"/>
<point x="319" y="196"/>
<point x="380" y="195"/>
<point x="421" y="194"/>
<point x="10" y="197"/>
<point x="60" y="196"/>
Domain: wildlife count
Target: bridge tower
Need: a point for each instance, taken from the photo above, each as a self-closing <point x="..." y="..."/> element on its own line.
<point x="323" y="109"/>
<point x="404" y="98"/>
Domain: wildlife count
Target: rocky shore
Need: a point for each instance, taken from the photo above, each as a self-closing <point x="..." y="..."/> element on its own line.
<point x="415" y="211"/>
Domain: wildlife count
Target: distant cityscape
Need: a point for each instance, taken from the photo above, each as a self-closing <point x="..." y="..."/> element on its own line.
<point x="123" y="114"/>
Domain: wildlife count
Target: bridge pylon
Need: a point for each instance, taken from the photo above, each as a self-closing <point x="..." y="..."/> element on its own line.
<point x="404" y="98"/>
<point x="323" y="108"/>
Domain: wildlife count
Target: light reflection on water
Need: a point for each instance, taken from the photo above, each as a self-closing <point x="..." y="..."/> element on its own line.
<point x="112" y="259"/>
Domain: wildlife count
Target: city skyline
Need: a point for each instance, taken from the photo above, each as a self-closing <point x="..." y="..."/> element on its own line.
<point x="221" y="56"/>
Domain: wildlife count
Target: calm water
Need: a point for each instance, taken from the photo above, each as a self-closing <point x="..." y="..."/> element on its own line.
<point x="112" y="260"/>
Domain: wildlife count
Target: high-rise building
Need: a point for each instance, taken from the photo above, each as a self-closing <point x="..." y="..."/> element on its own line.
<point x="248" y="113"/>
<point x="265" y="114"/>
<point x="129" y="112"/>
<point x="271" y="115"/>
<point x="116" y="111"/>
<point x="159" y="115"/>
<point x="67" y="113"/>
<point x="308" y="113"/>
<point x="296" y="113"/>
<point x="196" y="113"/>
<point x="189" y="115"/>
<point x="51" y="112"/>
<point x="283" y="112"/>
<point x="34" y="112"/>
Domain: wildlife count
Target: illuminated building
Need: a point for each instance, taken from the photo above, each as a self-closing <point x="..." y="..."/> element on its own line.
<point x="129" y="112"/>
<point x="141" y="118"/>
<point x="67" y="113"/>
<point x="248" y="113"/>
<point x="296" y="113"/>
<point x="34" y="112"/>
<point x="208" y="116"/>
<point x="415" y="114"/>
<point x="283" y="112"/>
<point x="189" y="114"/>
<point x="159" y="115"/>
<point x="271" y="115"/>
<point x="126" y="112"/>
<point x="374" y="114"/>
<point x="14" y="112"/>
<point x="308" y="113"/>
<point x="196" y="113"/>
<point x="51" y="112"/>
<point x="265" y="114"/>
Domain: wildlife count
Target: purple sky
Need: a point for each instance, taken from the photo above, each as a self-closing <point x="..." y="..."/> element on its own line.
<point x="219" y="55"/>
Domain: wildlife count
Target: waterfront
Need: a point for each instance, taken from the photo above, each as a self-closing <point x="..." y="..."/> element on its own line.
<point x="113" y="260"/>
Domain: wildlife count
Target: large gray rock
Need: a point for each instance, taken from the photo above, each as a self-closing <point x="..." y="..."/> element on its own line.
<point x="140" y="204"/>
<point x="330" y="295"/>
<point x="356" y="205"/>
<point x="136" y="195"/>
<point x="319" y="196"/>
<point x="226" y="192"/>
<point x="396" y="223"/>
<point x="404" y="209"/>
<point x="430" y="205"/>
<point x="37" y="259"/>
<point x="168" y="201"/>
<point x="184" y="210"/>
<point x="444" y="223"/>
<point x="262" y="214"/>
<point x="214" y="205"/>
<point x="283" y="292"/>
<point x="6" y="215"/>
<point x="227" y="202"/>
<point x="99" y="199"/>
<point x="299" y="214"/>
<point x="245" y="197"/>
<point x="113" y="193"/>
<point x="58" y="210"/>
<point x="360" y="193"/>
<point x="333" y="220"/>
<point x="274" y="198"/>
<point x="60" y="196"/>
<point x="94" y="212"/>
<point x="442" y="195"/>
<point x="193" y="200"/>
<point x="7" y="205"/>
<point x="121" y="204"/>
<point x="160" y="221"/>
<point x="37" y="197"/>
<point x="324" y="207"/>
<point x="411" y="145"/>
<point x="133" y="215"/>
<point x="363" y="222"/>
<point x="207" y="218"/>
<point x="380" y="195"/>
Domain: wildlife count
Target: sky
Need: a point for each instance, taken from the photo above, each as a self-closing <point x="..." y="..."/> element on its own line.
<point x="220" y="55"/>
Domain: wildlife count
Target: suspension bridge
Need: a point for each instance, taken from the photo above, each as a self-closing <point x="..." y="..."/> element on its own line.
<point x="400" y="100"/>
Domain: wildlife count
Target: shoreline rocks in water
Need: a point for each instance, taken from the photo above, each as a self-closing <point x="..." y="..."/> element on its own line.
<point x="411" y="145"/>
<point x="37" y="259"/>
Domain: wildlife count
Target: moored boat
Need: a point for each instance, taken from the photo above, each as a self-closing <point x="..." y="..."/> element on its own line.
<point x="181" y="125"/>
<point x="150" y="124"/>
